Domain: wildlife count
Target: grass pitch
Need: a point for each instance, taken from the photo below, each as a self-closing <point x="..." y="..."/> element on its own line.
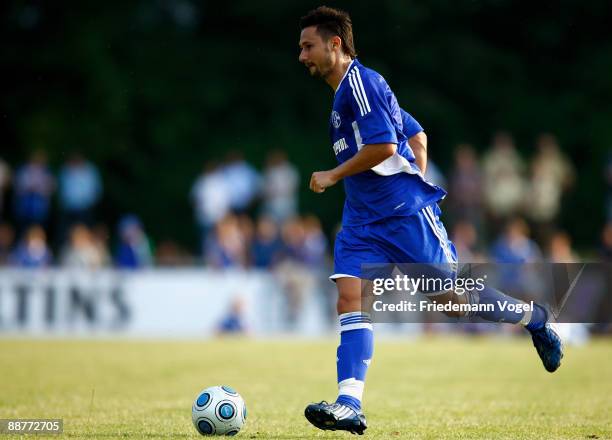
<point x="432" y="388"/>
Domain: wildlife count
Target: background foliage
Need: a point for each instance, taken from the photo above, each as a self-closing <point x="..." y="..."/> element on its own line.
<point x="151" y="89"/>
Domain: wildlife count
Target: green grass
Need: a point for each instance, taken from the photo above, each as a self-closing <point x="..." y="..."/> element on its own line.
<point x="432" y="388"/>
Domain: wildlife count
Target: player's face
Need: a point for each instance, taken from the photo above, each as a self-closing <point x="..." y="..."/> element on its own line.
<point x="315" y="53"/>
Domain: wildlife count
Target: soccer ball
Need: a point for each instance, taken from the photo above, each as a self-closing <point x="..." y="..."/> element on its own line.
<point x="218" y="411"/>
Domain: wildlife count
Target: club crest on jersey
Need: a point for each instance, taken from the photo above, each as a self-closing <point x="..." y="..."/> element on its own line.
<point x="335" y="119"/>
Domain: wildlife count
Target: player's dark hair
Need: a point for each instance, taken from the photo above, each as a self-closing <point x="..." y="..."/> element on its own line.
<point x="331" y="22"/>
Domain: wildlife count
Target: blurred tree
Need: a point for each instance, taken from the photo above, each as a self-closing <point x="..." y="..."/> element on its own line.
<point x="150" y="90"/>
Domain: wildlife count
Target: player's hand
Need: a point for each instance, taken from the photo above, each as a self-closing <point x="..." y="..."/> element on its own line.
<point x="321" y="180"/>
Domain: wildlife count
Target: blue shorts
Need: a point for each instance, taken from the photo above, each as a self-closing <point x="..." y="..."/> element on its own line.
<point x="419" y="238"/>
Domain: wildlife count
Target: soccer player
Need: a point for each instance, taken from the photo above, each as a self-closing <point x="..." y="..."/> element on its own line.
<point x="390" y="213"/>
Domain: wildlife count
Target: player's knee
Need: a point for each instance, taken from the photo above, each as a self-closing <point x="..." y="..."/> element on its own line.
<point x="448" y="300"/>
<point x="349" y="295"/>
<point x="347" y="303"/>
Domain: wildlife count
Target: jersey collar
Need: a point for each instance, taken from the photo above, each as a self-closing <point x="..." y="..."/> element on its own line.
<point x="345" y="73"/>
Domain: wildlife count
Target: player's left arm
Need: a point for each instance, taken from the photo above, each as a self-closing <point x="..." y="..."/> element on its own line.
<point x="418" y="144"/>
<point x="417" y="139"/>
<point x="368" y="157"/>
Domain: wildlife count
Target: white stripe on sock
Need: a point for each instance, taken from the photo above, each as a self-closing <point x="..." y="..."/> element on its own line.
<point x="352" y="315"/>
<point x="354" y="325"/>
<point x="357" y="326"/>
<point x="351" y="387"/>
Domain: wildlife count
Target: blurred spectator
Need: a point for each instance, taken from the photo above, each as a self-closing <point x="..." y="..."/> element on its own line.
<point x="560" y="249"/>
<point x="296" y="279"/>
<point x="503" y="178"/>
<point x="293" y="236"/>
<point x="247" y="231"/>
<point x="465" y="191"/>
<point x="5" y="179"/>
<point x="134" y="249"/>
<point x="266" y="244"/>
<point x="211" y="198"/>
<point x="33" y="251"/>
<point x="316" y="260"/>
<point x="227" y="246"/>
<point x="280" y="187"/>
<point x="7" y="238"/>
<point x="515" y="246"/>
<point x="315" y="243"/>
<point x="80" y="189"/>
<point x="100" y="237"/>
<point x="606" y="242"/>
<point x="243" y="180"/>
<point x="34" y="185"/>
<point x="169" y="253"/>
<point x="551" y="175"/>
<point x="233" y="323"/>
<point x="82" y="251"/>
<point x="465" y="238"/>
<point x="434" y="175"/>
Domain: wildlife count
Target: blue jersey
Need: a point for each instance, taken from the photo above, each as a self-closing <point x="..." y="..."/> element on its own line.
<point x="410" y="126"/>
<point x="365" y="111"/>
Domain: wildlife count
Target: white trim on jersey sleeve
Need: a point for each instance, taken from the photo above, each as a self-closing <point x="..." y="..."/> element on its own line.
<point x="344" y="76"/>
<point x="359" y="92"/>
<point x="359" y="102"/>
<point x="390" y="166"/>
<point x="357" y="75"/>
<point x="358" y="139"/>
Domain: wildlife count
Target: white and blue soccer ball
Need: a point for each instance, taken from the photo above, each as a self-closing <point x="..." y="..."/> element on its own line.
<point x="218" y="410"/>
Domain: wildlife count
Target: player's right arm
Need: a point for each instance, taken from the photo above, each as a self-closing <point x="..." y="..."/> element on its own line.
<point x="367" y="158"/>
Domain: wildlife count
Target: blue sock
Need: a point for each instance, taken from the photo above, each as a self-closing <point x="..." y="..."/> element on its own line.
<point x="532" y="320"/>
<point x="353" y="357"/>
<point x="539" y="316"/>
